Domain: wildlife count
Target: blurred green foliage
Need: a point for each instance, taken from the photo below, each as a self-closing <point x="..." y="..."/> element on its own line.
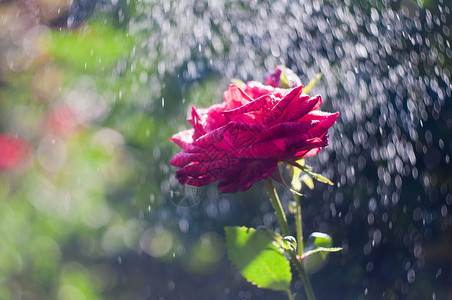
<point x="91" y="48"/>
<point x="70" y="211"/>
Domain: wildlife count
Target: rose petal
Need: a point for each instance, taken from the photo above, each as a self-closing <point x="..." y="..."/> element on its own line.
<point x="246" y="174"/>
<point x="285" y="129"/>
<point x="256" y="89"/>
<point x="235" y="97"/>
<point x="325" y="121"/>
<point x="252" y="106"/>
<point x="300" y="107"/>
<point x="183" y="138"/>
<point x="279" y="108"/>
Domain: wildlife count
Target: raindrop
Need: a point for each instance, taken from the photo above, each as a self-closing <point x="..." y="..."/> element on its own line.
<point x="438" y="273"/>
<point x="411" y="276"/>
<point x="184" y="225"/>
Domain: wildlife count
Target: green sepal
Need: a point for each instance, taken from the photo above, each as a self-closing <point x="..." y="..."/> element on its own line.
<point x="307" y="170"/>
<point x="296" y="182"/>
<point x="283" y="81"/>
<point x="308" y="181"/>
<point x="278" y="178"/>
<point x="312" y="83"/>
<point x="297" y="178"/>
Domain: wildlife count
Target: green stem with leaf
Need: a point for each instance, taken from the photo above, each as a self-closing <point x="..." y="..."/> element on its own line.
<point x="285" y="232"/>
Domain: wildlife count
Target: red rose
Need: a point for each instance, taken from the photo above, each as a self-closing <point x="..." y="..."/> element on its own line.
<point x="241" y="140"/>
<point x="13" y="152"/>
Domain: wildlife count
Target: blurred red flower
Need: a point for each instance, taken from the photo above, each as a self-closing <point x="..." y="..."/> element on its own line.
<point x="13" y="152"/>
<point x="241" y="140"/>
<point x="61" y="121"/>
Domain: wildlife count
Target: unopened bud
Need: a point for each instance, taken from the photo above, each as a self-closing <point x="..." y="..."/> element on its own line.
<point x="282" y="77"/>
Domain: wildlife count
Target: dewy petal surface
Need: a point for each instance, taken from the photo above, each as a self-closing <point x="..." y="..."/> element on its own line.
<point x="241" y="140"/>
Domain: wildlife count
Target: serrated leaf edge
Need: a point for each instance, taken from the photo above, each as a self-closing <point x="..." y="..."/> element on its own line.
<point x="238" y="269"/>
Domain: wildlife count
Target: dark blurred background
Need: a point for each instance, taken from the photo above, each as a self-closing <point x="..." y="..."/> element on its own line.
<point x="91" y="91"/>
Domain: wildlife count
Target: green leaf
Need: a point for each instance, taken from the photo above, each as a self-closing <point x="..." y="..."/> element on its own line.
<point x="258" y="257"/>
<point x="312" y="83"/>
<point x="316" y="251"/>
<point x="320" y="249"/>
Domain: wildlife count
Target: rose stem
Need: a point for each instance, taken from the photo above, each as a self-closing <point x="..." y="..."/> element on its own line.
<point x="277" y="207"/>
<point x="304" y="277"/>
<point x="299" y="226"/>
<point x="285" y="232"/>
